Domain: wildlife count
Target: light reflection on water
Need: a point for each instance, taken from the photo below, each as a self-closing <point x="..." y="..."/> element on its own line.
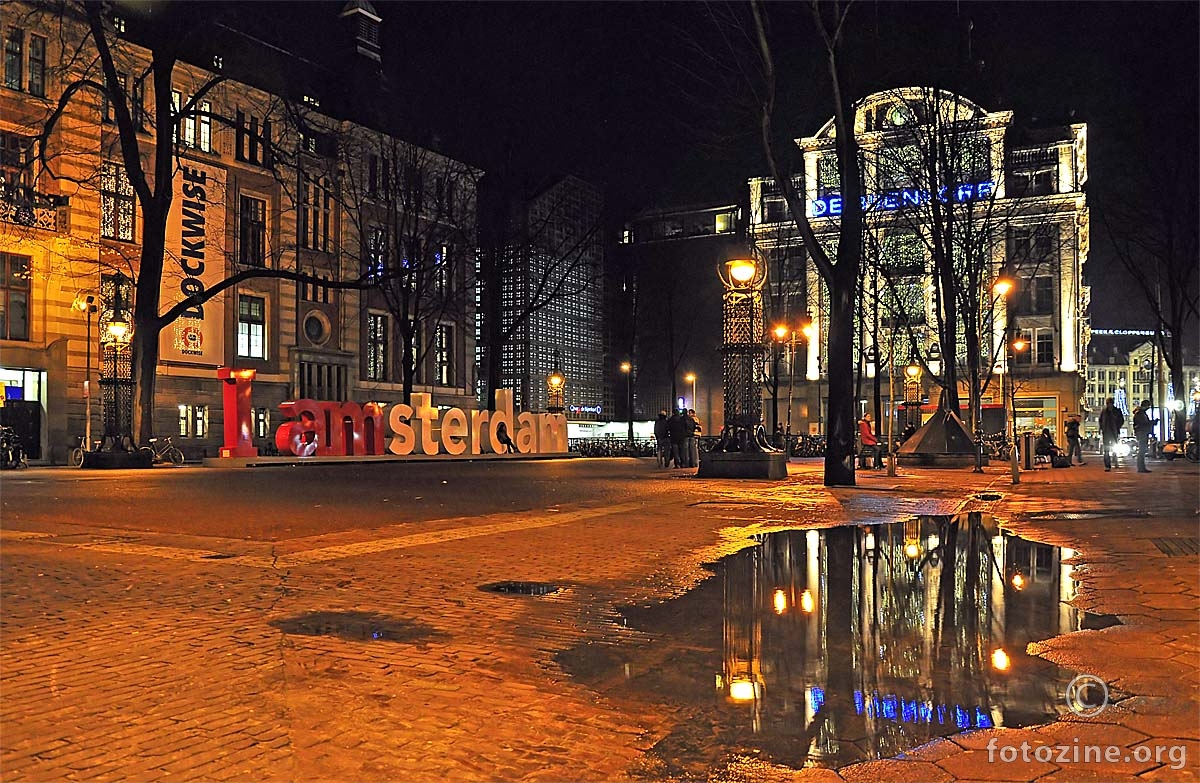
<point x="829" y="647"/>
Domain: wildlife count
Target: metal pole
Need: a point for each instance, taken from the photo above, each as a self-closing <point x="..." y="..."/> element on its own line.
<point x="1012" y="387"/>
<point x="87" y="385"/>
<point x="791" y="384"/>
<point x="629" y="401"/>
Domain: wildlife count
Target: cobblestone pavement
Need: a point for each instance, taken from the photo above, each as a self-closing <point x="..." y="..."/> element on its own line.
<point x="141" y="656"/>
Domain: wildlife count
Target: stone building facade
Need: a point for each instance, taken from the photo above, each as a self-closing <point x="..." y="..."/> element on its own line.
<point x="1015" y="198"/>
<point x="279" y="177"/>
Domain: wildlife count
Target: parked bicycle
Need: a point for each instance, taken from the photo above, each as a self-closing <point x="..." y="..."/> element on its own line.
<point x="163" y="450"/>
<point x="12" y="453"/>
<point x="76" y="457"/>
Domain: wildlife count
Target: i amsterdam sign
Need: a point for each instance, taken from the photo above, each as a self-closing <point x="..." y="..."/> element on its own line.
<point x="343" y="429"/>
<point x="899" y="199"/>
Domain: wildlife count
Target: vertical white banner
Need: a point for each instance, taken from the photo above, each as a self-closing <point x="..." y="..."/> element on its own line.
<point x="195" y="261"/>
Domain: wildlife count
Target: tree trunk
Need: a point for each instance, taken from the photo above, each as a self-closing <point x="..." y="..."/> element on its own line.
<point x="839" y="444"/>
<point x="146" y="326"/>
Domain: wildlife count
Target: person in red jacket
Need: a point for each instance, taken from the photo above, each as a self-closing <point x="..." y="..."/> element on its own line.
<point x="867" y="444"/>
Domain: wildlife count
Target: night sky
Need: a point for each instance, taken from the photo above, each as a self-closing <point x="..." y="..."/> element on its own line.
<point x="645" y="97"/>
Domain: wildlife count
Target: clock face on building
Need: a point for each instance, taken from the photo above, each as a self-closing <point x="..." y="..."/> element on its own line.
<point x="899" y="114"/>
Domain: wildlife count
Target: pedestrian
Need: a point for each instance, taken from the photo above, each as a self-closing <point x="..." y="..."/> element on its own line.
<point x="678" y="427"/>
<point x="1111" y="422"/>
<point x="867" y="444"/>
<point x="662" y="440"/>
<point x="693" y="439"/>
<point x="1074" y="447"/>
<point x="1142" y="426"/>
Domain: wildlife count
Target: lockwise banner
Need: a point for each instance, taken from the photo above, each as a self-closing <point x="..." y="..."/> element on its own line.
<point x="195" y="260"/>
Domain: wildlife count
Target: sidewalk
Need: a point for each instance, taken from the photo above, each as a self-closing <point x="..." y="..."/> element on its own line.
<point x="141" y="656"/>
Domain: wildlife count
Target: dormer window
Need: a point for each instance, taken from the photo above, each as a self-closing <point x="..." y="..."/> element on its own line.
<point x="218" y="62"/>
<point x="312" y="101"/>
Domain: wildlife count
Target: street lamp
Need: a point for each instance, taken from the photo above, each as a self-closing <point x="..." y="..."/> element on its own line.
<point x="1001" y="287"/>
<point x="627" y="368"/>
<point x="742" y="348"/>
<point x="554" y="388"/>
<point x="1016" y="345"/>
<point x="912" y="395"/>
<point x="782" y="334"/>
<point x="87" y="304"/>
<point x="116" y="375"/>
<point x="691" y="378"/>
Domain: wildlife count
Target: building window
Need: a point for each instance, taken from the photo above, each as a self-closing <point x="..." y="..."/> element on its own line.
<point x="252" y="327"/>
<point x="14" y="56"/>
<point x="193" y="421"/>
<point x="252" y="237"/>
<point x="376" y="260"/>
<point x="116" y="203"/>
<point x="443" y="356"/>
<point x="1041" y="346"/>
<point x="14" y="166"/>
<point x="37" y="66"/>
<point x="441" y="267"/>
<point x="14" y="297"/>
<point x="262" y="422"/>
<point x="319" y="381"/>
<point x="316" y="207"/>
<point x="311" y="291"/>
<point x="253" y="139"/>
<point x="377" y="346"/>
<point x="1036" y="296"/>
<point x="196" y="124"/>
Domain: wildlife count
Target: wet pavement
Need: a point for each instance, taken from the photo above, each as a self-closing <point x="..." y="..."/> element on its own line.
<point x="668" y="629"/>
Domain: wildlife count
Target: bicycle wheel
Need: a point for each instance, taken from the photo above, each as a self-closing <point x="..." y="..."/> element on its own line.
<point x="76" y="459"/>
<point x="174" y="456"/>
<point x="146" y="450"/>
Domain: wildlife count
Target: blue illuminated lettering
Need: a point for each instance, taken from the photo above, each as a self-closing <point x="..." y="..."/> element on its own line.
<point x="892" y="200"/>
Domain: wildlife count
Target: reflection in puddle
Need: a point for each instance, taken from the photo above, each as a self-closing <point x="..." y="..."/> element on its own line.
<point x="355" y="626"/>
<point x="829" y="647"/>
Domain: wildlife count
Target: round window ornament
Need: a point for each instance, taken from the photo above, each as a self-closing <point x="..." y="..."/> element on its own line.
<point x="316" y="328"/>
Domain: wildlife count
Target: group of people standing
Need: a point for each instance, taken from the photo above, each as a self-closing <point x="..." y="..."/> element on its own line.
<point x="1111" y="421"/>
<point x="676" y="438"/>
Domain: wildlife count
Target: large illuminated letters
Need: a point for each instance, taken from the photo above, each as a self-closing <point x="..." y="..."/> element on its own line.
<point x="238" y="425"/>
<point x="342" y="429"/>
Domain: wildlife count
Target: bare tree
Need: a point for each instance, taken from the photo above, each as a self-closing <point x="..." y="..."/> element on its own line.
<point x="840" y="270"/>
<point x="136" y="84"/>
<point x="1153" y="227"/>
<point x="411" y="212"/>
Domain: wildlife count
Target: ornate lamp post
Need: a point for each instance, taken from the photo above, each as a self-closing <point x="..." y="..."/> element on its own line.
<point x="691" y="378"/>
<point x="742" y="351"/>
<point x="1001" y="288"/>
<point x="912" y="396"/>
<point x="627" y="368"/>
<point x="742" y="452"/>
<point x="555" y="384"/>
<point x="1015" y="345"/>
<point x="116" y="380"/>
<point x="783" y="336"/>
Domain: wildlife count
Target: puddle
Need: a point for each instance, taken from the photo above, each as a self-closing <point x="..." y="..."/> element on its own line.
<point x="1067" y="516"/>
<point x="520" y="588"/>
<point x="831" y="647"/>
<point x="355" y="626"/>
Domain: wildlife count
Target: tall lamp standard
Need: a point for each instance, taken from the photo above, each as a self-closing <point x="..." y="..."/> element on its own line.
<point x="691" y="378"/>
<point x="783" y="335"/>
<point x="1002" y="288"/>
<point x="87" y="304"/>
<point x="116" y="380"/>
<point x="1015" y="345"/>
<point x="627" y="368"/>
<point x="555" y="384"/>
<point x="742" y="349"/>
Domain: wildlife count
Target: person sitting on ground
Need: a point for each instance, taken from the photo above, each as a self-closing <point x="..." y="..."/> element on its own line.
<point x="1044" y="447"/>
<point x="505" y="440"/>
